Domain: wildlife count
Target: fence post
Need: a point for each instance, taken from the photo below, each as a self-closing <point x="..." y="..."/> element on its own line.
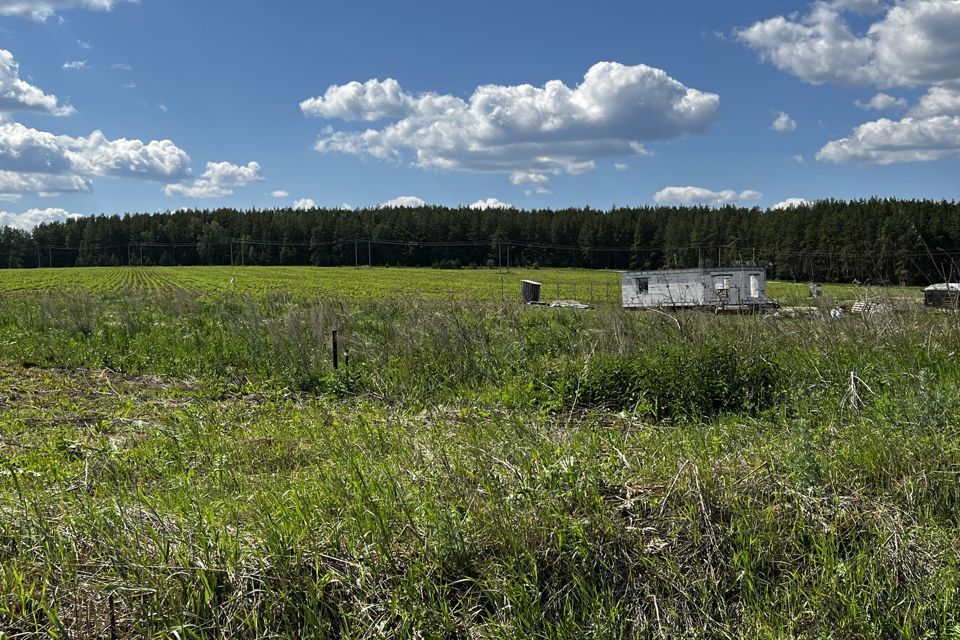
<point x="336" y="354"/>
<point x="113" y="618"/>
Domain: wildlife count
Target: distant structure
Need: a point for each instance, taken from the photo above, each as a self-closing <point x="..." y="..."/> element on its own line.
<point x="530" y="291"/>
<point x="722" y="289"/>
<point x="945" y="295"/>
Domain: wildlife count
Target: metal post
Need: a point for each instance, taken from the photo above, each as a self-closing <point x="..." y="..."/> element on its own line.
<point x="336" y="354"/>
<point x="113" y="618"/>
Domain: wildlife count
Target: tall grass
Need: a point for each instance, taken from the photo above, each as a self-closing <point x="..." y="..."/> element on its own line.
<point x="178" y="465"/>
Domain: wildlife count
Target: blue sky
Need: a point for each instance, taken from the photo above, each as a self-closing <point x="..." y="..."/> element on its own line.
<point x="534" y="104"/>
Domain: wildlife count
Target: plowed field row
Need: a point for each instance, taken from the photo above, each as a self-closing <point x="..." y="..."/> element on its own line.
<point x="596" y="287"/>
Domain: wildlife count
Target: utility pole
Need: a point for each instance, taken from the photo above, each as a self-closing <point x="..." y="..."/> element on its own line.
<point x="500" y="268"/>
<point x="50" y="257"/>
<point x="356" y="256"/>
<point x="242" y="258"/>
<point x="141" y="255"/>
<point x="369" y="255"/>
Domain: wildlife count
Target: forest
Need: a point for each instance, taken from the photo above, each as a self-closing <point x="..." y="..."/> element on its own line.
<point x="876" y="241"/>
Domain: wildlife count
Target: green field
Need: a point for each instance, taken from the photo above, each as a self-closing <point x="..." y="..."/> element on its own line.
<point x="600" y="287"/>
<point x="179" y="459"/>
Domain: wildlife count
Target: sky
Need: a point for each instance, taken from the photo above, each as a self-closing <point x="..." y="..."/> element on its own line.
<point x="114" y="106"/>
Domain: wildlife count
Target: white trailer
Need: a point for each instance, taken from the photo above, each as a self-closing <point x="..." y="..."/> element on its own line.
<point x="720" y="289"/>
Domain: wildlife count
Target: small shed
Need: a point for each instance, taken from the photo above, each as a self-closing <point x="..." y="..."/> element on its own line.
<point x="720" y="289"/>
<point x="530" y="291"/>
<point x="945" y="295"/>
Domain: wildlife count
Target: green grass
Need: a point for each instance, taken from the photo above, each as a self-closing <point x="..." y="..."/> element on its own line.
<point x="599" y="287"/>
<point x="481" y="470"/>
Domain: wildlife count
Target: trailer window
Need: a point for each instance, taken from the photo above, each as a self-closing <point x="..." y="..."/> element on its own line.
<point x="643" y="284"/>
<point x="754" y="285"/>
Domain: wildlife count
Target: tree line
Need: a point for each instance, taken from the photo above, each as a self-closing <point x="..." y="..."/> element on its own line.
<point x="876" y="240"/>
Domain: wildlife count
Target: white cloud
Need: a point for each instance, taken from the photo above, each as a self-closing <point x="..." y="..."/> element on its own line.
<point x="791" y="203"/>
<point x="784" y="123"/>
<point x="520" y="178"/>
<point x="491" y="203"/>
<point x="17" y="95"/>
<point x="797" y="158"/>
<point x="120" y="66"/>
<point x="526" y="131"/>
<point x="14" y="183"/>
<point x="218" y="180"/>
<point x="882" y="102"/>
<point x="304" y="204"/>
<point x="34" y="161"/>
<point x="700" y="196"/>
<point x="43" y="9"/>
<point x="130" y="85"/>
<point x="865" y="7"/>
<point x="32" y="217"/>
<point x="280" y="193"/>
<point x="403" y="201"/>
<point x="914" y="43"/>
<point x="889" y="141"/>
<point x="84" y="45"/>
<point x="620" y="166"/>
<point x="938" y="101"/>
<point x="23" y="149"/>
<point x="911" y="43"/>
<point x="76" y="65"/>
<point x="373" y="100"/>
<point x="95" y="155"/>
<point x="345" y="207"/>
<point x="163" y="107"/>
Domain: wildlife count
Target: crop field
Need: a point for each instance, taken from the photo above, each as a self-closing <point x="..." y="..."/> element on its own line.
<point x="598" y="287"/>
<point x="180" y="459"/>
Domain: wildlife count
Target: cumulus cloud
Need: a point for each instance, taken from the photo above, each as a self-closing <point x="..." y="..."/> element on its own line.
<point x="526" y="131"/>
<point x="913" y="42"/>
<point x="76" y="65"/>
<point x="219" y="179"/>
<point x="304" y="204"/>
<point x="121" y="66"/>
<point x="890" y="141"/>
<point x="882" y="102"/>
<point x="784" y="123"/>
<point x="790" y="203"/>
<point x="701" y="196"/>
<point x="491" y="203"/>
<point x="33" y="217"/>
<point x="68" y="160"/>
<point x="403" y="201"/>
<point x="13" y="184"/>
<point x="280" y="193"/>
<point x="620" y="166"/>
<point x="938" y="101"/>
<point x="43" y="9"/>
<point x="18" y="95"/>
<point x="373" y="100"/>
